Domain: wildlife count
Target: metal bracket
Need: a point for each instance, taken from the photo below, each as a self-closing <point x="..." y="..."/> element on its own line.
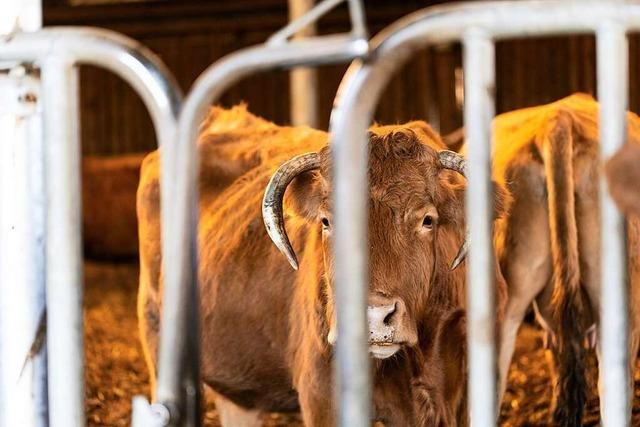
<point x="20" y="92"/>
<point x="358" y="26"/>
<point x="148" y="415"/>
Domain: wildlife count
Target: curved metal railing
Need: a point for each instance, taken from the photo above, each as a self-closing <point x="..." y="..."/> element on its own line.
<point x="179" y="261"/>
<point x="58" y="51"/>
<point x="477" y="25"/>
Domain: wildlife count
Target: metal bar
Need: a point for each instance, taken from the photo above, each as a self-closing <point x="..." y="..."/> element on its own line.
<point x="125" y="57"/>
<point x="180" y="193"/>
<point x="303" y="84"/>
<point x="23" y="373"/>
<point x="479" y="56"/>
<point x="303" y="21"/>
<point x="350" y="183"/>
<point x="63" y="245"/>
<point x="504" y="19"/>
<point x="358" y="21"/>
<point x="23" y="379"/>
<point x="616" y="370"/>
<point x="352" y="114"/>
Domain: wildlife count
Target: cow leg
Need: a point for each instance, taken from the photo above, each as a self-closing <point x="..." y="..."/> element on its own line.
<point x="315" y="394"/>
<point x="232" y="415"/>
<point x="316" y="408"/>
<point x="634" y="344"/>
<point x="148" y="328"/>
<point x="633" y="250"/>
<point x="520" y="298"/>
<point x="588" y="222"/>
<point x="525" y="260"/>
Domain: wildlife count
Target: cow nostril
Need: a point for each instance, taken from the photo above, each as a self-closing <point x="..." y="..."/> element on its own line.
<point x="388" y="319"/>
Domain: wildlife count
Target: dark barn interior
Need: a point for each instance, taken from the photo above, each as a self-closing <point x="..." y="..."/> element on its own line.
<point x="191" y="34"/>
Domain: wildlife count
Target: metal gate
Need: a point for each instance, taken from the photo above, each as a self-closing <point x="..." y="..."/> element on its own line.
<point x="55" y="162"/>
<point x="478" y="26"/>
<point x="53" y="158"/>
<point x="58" y="51"/>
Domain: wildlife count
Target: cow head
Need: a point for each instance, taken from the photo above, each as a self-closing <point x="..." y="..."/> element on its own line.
<point x="416" y="225"/>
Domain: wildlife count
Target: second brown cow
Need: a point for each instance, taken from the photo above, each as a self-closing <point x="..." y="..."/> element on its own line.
<point x="547" y="157"/>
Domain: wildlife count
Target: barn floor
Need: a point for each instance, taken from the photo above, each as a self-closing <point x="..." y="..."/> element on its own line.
<point x="116" y="370"/>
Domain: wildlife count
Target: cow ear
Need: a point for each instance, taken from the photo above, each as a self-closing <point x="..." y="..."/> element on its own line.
<point x="306" y="194"/>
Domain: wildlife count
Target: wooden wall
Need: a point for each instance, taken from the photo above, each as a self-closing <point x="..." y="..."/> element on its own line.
<point x="189" y="35"/>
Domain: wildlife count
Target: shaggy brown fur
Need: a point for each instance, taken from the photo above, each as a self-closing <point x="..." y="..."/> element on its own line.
<point x="264" y="326"/>
<point x="547" y="157"/>
<point x="439" y="392"/>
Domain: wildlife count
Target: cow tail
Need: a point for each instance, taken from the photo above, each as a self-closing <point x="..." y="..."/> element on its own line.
<point x="567" y="303"/>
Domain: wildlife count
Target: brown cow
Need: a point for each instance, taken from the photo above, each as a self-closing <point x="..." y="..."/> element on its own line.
<point x="547" y="157"/>
<point x="267" y="329"/>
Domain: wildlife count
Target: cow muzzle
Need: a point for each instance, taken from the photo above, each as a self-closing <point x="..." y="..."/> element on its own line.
<point x="390" y="327"/>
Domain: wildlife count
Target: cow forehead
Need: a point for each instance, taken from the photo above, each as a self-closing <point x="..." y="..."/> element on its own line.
<point x="403" y="193"/>
<point x="403" y="166"/>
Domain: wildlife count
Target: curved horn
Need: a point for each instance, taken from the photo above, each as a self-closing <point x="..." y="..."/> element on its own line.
<point x="454" y="161"/>
<point x="272" y="212"/>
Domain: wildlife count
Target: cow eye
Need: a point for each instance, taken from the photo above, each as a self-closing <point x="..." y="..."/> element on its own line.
<point x="325" y="222"/>
<point x="427" y="222"/>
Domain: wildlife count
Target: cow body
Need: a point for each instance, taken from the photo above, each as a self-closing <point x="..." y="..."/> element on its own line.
<point x="266" y="328"/>
<point x="550" y="246"/>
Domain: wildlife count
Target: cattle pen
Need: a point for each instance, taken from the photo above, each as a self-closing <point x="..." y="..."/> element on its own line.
<point x="42" y="356"/>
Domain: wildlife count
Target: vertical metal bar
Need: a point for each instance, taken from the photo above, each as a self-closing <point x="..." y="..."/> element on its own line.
<point x="358" y="21"/>
<point x="479" y="58"/>
<point x="23" y="379"/>
<point x="350" y="186"/>
<point x="63" y="247"/>
<point x="20" y="15"/>
<point x="613" y="66"/>
<point x="23" y="373"/>
<point x="303" y="83"/>
<point x="179" y="185"/>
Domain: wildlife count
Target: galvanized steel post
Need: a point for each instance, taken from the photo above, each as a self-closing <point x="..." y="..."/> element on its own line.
<point x="349" y="121"/>
<point x="23" y="373"/>
<point x="63" y="242"/>
<point x="617" y="370"/>
<point x="479" y="84"/>
<point x="303" y="84"/>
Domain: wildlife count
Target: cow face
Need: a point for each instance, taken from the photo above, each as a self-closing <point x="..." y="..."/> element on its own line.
<point x="416" y="226"/>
